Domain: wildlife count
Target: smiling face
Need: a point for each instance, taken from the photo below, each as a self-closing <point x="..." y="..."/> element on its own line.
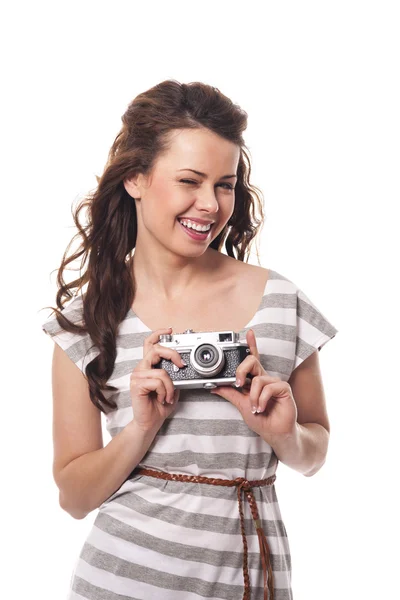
<point x="173" y="191"/>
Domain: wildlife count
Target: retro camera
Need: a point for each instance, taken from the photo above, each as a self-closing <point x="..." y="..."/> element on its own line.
<point x="211" y="358"/>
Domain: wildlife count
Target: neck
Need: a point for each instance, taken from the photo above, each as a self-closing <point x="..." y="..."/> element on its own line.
<point x="170" y="276"/>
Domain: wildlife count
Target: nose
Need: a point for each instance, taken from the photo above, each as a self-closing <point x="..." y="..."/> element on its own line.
<point x="206" y="201"/>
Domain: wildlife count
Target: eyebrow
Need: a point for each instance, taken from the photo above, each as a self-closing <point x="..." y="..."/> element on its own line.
<point x="204" y="175"/>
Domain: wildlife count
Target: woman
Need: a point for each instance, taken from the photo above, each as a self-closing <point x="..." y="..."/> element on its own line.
<point x="174" y="193"/>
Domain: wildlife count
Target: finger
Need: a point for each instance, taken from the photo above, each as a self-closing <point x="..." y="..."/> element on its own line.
<point x="229" y="393"/>
<point x="250" y="365"/>
<point x="154" y="337"/>
<point x="141" y="374"/>
<point x="143" y="387"/>
<point x="252" y="343"/>
<point x="156" y="352"/>
<point x="272" y="393"/>
<point x="258" y="385"/>
<point x="264" y="400"/>
<point x="172" y="354"/>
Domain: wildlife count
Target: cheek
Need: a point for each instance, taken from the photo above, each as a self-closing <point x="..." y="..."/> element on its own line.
<point x="161" y="206"/>
<point x="226" y="208"/>
<point x="231" y="207"/>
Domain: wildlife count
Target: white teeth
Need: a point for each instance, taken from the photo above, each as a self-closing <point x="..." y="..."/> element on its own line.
<point x="195" y="226"/>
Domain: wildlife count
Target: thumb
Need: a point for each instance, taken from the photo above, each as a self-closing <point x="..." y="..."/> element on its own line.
<point x="229" y="393"/>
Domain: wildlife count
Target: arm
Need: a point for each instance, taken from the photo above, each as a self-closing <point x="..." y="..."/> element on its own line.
<point x="87" y="474"/>
<point x="305" y="449"/>
<point x="87" y="481"/>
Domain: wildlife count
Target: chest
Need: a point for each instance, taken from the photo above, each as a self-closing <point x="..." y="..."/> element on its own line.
<point x="230" y="307"/>
<point x="192" y="314"/>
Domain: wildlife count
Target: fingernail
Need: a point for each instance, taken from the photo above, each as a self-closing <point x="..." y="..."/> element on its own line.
<point x="183" y="362"/>
<point x="254" y="409"/>
<point x="237" y="382"/>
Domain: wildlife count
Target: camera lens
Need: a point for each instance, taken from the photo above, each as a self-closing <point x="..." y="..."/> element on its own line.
<point x="206" y="355"/>
<point x="207" y="359"/>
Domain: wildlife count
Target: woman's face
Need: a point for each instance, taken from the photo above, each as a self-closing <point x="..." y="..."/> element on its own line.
<point x="173" y="191"/>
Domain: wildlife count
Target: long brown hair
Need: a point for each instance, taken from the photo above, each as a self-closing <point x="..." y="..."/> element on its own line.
<point x="109" y="236"/>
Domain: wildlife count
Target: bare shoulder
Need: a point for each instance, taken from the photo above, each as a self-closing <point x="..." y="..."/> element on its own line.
<point x="250" y="275"/>
<point x="255" y="273"/>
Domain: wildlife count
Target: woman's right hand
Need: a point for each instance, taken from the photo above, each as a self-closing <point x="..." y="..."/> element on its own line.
<point x="152" y="390"/>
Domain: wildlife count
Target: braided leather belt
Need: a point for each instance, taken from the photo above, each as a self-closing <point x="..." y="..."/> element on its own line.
<point x="245" y="485"/>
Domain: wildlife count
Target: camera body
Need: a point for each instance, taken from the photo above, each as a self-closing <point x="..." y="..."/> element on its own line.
<point x="212" y="358"/>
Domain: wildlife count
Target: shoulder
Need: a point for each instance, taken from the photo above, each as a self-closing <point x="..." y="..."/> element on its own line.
<point x="258" y="278"/>
<point x="79" y="346"/>
<point x="237" y="270"/>
<point x="72" y="310"/>
<point x="255" y="277"/>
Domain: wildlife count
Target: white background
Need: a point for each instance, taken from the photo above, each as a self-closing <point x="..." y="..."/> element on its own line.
<point x="320" y="83"/>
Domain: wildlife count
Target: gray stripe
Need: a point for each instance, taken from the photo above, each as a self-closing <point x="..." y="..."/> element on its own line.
<point x="304" y="350"/>
<point x="194" y="585"/>
<point x="278" y="300"/>
<point x="182" y="551"/>
<point x="175" y="426"/>
<point x="51" y="325"/>
<point x="275" y="275"/>
<point x="315" y="318"/>
<point x="309" y="314"/>
<point x="123" y="399"/>
<point x="208" y="427"/>
<point x="197" y="521"/>
<point x="79" y="349"/>
<point x="211" y="461"/>
<point x="93" y="592"/>
<point x="127" y="341"/>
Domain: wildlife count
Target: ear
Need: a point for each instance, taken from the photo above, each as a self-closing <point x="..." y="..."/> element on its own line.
<point x="132" y="186"/>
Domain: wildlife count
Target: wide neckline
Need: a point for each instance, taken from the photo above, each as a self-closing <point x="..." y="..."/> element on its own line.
<point x="265" y="291"/>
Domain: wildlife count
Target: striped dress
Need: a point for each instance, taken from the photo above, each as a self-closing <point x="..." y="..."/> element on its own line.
<point x="172" y="540"/>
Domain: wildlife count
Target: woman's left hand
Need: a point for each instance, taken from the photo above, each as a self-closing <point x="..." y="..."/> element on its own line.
<point x="277" y="414"/>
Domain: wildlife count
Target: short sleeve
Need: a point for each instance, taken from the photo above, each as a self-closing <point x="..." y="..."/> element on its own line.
<point x="313" y="329"/>
<point x="79" y="347"/>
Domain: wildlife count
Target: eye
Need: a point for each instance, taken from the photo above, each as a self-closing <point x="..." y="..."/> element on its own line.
<point x="190" y="181"/>
<point x="187" y="181"/>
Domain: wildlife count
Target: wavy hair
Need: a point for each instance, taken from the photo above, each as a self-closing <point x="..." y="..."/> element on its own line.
<point x="109" y="235"/>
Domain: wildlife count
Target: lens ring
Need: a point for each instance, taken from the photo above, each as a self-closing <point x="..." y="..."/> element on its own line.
<point x="212" y="367"/>
<point x="202" y="352"/>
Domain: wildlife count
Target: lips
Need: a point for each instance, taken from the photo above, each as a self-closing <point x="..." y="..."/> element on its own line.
<point x="196" y="235"/>
<point x="181" y="219"/>
<point x="196" y="220"/>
